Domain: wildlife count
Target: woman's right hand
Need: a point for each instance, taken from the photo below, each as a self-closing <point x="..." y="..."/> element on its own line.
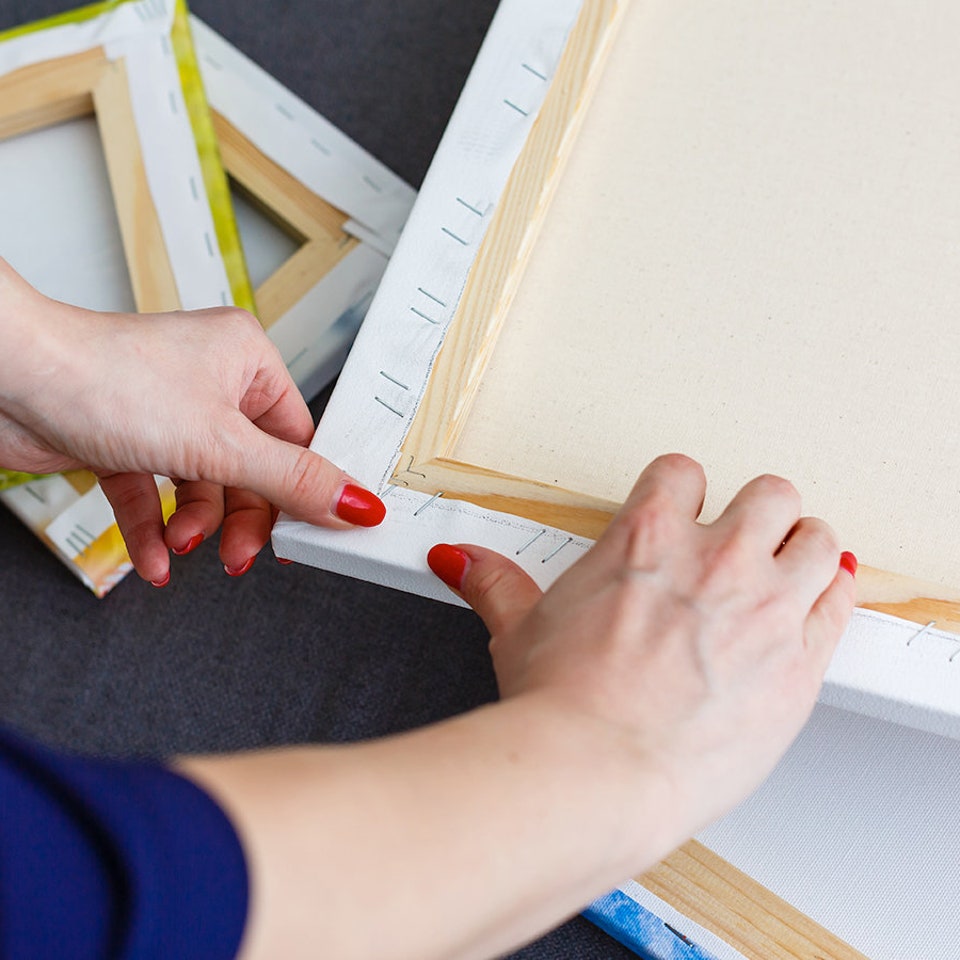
<point x="701" y="647"/>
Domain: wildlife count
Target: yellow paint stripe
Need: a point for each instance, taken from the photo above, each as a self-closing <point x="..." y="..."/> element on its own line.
<point x="214" y="176"/>
<point x="12" y="478"/>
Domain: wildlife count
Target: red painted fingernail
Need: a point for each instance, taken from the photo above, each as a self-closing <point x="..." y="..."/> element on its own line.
<point x="848" y="562"/>
<point x="238" y="571"/>
<point x="360" y="507"/>
<point x="448" y="563"/>
<point x="163" y="582"/>
<point x="191" y="545"/>
<point x="285" y="562"/>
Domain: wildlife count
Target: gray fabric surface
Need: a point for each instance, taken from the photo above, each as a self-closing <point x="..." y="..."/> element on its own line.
<point x="283" y="654"/>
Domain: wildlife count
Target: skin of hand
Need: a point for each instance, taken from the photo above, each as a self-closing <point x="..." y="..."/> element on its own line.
<point x="703" y="645"/>
<point x="651" y="688"/>
<point x="202" y="397"/>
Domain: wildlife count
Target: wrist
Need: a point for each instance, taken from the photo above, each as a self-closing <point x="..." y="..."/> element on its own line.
<point x="35" y="336"/>
<point x="22" y="333"/>
<point x="624" y="789"/>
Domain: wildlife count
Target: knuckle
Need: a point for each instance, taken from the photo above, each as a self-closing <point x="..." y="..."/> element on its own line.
<point x="240" y="317"/>
<point x="678" y="464"/>
<point x="650" y="529"/>
<point x="726" y="564"/>
<point x="771" y="485"/>
<point x="822" y="535"/>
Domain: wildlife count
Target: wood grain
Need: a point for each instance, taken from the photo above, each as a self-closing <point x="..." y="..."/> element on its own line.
<point x="295" y="205"/>
<point x="151" y="273"/>
<point x="298" y="211"/>
<point x="742" y="912"/>
<point x="293" y="279"/>
<point x="51" y="92"/>
<point x="66" y="88"/>
<point x="510" y="238"/>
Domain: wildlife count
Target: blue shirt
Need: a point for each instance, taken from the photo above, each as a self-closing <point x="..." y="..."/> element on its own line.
<point x="103" y="859"/>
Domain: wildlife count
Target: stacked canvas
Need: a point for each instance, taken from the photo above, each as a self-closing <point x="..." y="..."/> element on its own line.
<point x="168" y="60"/>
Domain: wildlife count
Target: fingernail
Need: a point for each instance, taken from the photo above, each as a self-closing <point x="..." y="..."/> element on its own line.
<point x="191" y="544"/>
<point x="285" y="562"/>
<point x="448" y="563"/>
<point x="238" y="571"/>
<point x="848" y="562"/>
<point x="360" y="507"/>
<point x="163" y="582"/>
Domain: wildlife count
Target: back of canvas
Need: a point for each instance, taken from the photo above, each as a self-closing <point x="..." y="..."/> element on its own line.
<point x="754" y="258"/>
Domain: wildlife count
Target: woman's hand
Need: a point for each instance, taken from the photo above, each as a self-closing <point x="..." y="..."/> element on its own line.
<point x="201" y="397"/>
<point x="700" y="647"/>
<point x="651" y="688"/>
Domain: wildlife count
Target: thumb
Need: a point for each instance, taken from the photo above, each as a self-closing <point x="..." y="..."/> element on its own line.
<point x="497" y="589"/>
<point x="299" y="481"/>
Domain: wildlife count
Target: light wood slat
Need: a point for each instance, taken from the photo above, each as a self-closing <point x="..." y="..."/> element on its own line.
<point x="279" y="192"/>
<point x="45" y="93"/>
<point x="292" y="280"/>
<point x="151" y="273"/>
<point x="740" y="911"/>
<point x="510" y="238"/>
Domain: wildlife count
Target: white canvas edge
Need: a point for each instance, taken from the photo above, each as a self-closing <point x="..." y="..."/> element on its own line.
<point x="315" y="334"/>
<point x="875" y="671"/>
<point x="303" y="142"/>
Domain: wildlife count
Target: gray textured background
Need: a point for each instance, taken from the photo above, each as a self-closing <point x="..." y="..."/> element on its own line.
<point x="283" y="654"/>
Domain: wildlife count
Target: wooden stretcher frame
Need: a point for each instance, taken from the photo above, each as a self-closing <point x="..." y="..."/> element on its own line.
<point x="740" y="911"/>
<point x="67" y="88"/>
<point x="102" y="61"/>
<point x="428" y="462"/>
<point x="316" y="224"/>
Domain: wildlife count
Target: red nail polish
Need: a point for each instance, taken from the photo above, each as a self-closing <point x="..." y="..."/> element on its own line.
<point x="284" y="561"/>
<point x="360" y="507"/>
<point x="848" y="562"/>
<point x="238" y="571"/>
<point x="448" y="563"/>
<point x="163" y="582"/>
<point x="191" y="545"/>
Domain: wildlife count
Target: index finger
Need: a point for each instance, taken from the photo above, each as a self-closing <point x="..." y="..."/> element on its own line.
<point x="670" y="490"/>
<point x="667" y="496"/>
<point x="672" y="480"/>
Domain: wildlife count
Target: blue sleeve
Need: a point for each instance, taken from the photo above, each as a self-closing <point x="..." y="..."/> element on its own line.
<point x="102" y="859"/>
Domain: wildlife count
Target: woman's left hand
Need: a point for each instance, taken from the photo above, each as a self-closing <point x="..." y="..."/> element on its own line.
<point x="202" y="397"/>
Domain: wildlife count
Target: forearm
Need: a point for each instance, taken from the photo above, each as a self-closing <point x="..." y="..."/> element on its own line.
<point x="471" y="836"/>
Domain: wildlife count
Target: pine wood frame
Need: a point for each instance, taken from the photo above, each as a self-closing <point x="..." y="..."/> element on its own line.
<point x="743" y="913"/>
<point x="427" y="461"/>
<point x="81" y="85"/>
<point x="315" y="223"/>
